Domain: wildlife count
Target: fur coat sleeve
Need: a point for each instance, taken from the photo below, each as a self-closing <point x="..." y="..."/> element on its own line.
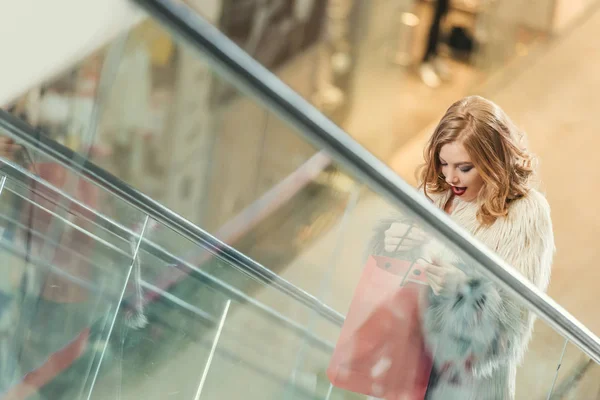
<point x="524" y="239"/>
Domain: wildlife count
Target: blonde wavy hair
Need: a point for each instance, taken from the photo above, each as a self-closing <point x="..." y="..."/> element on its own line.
<point x="496" y="148"/>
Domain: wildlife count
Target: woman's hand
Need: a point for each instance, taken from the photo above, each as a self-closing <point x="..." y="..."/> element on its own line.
<point x="403" y="237"/>
<point x="440" y="275"/>
<point x="8" y="148"/>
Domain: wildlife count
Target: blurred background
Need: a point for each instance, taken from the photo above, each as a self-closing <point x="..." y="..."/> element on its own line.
<point x="113" y="85"/>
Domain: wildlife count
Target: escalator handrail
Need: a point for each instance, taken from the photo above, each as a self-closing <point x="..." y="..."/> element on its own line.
<point x="251" y="77"/>
<point x="26" y="134"/>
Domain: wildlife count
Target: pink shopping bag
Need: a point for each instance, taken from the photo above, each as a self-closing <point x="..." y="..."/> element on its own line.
<point x="381" y="351"/>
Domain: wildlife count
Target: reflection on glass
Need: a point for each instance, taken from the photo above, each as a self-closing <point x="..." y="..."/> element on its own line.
<point x="576" y="377"/>
<point x="61" y="292"/>
<point x="153" y="314"/>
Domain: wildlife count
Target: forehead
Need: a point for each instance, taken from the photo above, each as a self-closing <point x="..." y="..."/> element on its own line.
<point x="454" y="153"/>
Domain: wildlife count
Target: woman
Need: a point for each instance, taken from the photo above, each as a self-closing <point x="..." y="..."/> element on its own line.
<point x="478" y="172"/>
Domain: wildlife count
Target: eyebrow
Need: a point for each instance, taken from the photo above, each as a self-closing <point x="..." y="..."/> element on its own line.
<point x="460" y="164"/>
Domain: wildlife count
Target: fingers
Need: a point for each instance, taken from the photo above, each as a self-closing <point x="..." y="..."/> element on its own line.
<point x="400" y="244"/>
<point x="438" y="281"/>
<point x="435" y="277"/>
<point x="435" y="283"/>
<point x="442" y="276"/>
<point x="401" y="237"/>
<point x="401" y="229"/>
<point x="397" y="229"/>
<point x="438" y="262"/>
<point x="435" y="270"/>
<point x="450" y="270"/>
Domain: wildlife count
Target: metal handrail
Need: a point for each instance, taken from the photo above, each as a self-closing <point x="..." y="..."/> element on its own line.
<point x="248" y="75"/>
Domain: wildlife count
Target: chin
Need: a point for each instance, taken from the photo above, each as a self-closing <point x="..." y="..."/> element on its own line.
<point x="468" y="196"/>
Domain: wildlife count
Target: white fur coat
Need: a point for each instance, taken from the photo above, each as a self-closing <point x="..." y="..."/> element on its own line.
<point x="477" y="333"/>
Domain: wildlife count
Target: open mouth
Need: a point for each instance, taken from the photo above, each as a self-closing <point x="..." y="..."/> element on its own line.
<point x="459" y="191"/>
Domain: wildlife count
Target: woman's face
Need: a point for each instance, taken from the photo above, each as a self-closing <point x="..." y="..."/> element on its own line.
<point x="459" y="172"/>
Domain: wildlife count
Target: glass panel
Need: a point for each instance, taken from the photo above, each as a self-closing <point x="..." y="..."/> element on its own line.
<point x="62" y="294"/>
<point x="72" y="262"/>
<point x="200" y="319"/>
<point x="176" y="341"/>
<point x="32" y="164"/>
<point x="577" y="377"/>
<point x="243" y="349"/>
<point x="336" y="276"/>
<point x="364" y="303"/>
<point x="184" y="303"/>
<point x="540" y="369"/>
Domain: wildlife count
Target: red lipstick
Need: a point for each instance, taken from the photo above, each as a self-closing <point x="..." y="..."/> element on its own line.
<point x="458" y="191"/>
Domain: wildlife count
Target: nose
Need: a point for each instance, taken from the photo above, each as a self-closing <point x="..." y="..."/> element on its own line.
<point x="451" y="178"/>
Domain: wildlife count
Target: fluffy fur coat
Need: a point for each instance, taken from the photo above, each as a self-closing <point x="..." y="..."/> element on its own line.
<point x="477" y="333"/>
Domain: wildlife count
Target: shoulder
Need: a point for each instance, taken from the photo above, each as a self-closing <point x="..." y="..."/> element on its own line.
<point x="530" y="209"/>
<point x="529" y="221"/>
<point x="528" y="240"/>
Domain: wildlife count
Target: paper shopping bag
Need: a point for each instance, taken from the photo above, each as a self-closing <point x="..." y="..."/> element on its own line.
<point x="381" y="350"/>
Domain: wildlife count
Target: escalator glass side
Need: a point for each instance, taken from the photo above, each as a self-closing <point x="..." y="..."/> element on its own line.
<point x="334" y="266"/>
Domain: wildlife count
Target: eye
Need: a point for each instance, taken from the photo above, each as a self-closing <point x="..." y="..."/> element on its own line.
<point x="466" y="169"/>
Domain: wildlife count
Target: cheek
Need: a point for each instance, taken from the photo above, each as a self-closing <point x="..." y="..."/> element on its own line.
<point x="473" y="179"/>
